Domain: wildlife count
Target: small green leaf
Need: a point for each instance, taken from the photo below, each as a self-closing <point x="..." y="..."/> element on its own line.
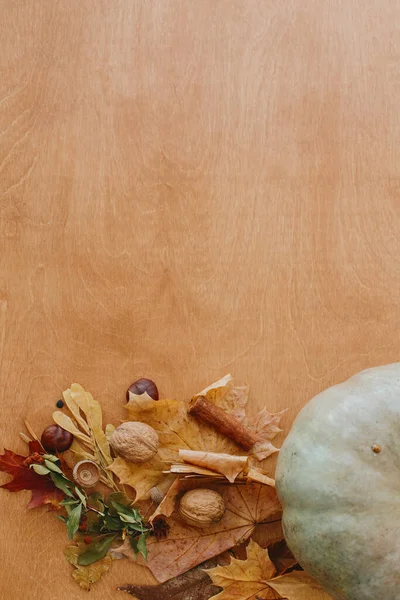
<point x="118" y="497"/>
<point x="95" y="551"/>
<point x="81" y="496"/>
<point x="130" y="513"/>
<point x="96" y="499"/>
<point x="73" y="520"/>
<point x="112" y="523"/>
<point x="133" y="541"/>
<point x="127" y="518"/>
<point x="52" y="466"/>
<point x="51" y="458"/>
<point x="63" y="484"/>
<point x="63" y="519"/>
<point x="40" y="469"/>
<point x="136" y="527"/>
<point x="69" y="501"/>
<point x="141" y="545"/>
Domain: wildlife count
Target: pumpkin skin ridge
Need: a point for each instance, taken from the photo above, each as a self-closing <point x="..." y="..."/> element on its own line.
<point x="340" y="499"/>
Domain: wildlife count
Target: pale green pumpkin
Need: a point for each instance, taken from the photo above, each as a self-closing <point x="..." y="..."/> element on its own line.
<point x="338" y="478"/>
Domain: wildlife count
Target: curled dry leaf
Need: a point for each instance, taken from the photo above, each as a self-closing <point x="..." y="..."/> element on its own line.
<point x="227" y="464"/>
<point x="185" y="546"/>
<point x="187" y="469"/>
<point x="192" y="585"/>
<point x="255" y="578"/>
<point x="260" y="476"/>
<point x="86" y="575"/>
<point x="168" y="503"/>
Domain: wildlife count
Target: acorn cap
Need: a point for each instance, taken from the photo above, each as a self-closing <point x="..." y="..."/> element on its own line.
<point x="86" y="473"/>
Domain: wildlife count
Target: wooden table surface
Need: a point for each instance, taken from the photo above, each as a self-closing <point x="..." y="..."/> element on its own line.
<point x="189" y="188"/>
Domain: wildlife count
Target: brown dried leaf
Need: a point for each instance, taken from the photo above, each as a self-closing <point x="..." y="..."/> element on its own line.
<point x="125" y="550"/>
<point x="192" y="585"/>
<point x="265" y="426"/>
<point x="281" y="556"/>
<point x="227" y="464"/>
<point x="226" y="395"/>
<point x="260" y="476"/>
<point x="185" y="546"/>
<point x="168" y="503"/>
<point x="255" y="578"/>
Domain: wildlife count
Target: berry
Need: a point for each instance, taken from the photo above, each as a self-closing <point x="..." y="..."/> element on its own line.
<point x="59" y="403"/>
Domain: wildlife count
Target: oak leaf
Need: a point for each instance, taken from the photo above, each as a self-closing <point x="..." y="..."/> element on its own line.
<point x="192" y="585"/>
<point x="86" y="575"/>
<point x="186" y="546"/>
<point x="43" y="489"/>
<point x="255" y="577"/>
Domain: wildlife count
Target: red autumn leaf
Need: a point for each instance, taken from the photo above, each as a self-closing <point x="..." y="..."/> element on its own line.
<point x="35" y="446"/>
<point x="42" y="488"/>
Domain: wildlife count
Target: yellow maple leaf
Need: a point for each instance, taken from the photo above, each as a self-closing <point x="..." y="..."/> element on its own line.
<point x="255" y="578"/>
<point x="177" y="430"/>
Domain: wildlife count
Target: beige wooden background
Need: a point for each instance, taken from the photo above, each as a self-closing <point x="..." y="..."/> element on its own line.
<point x="189" y="188"/>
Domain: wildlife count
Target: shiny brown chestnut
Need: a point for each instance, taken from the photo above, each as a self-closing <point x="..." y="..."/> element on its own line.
<point x="56" y="439"/>
<point x="140" y="386"/>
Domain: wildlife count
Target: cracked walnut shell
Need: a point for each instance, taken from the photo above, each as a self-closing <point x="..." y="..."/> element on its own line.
<point x="201" y="507"/>
<point x="136" y="442"/>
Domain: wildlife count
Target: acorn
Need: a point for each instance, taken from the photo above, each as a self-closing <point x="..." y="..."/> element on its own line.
<point x="56" y="439"/>
<point x="86" y="473"/>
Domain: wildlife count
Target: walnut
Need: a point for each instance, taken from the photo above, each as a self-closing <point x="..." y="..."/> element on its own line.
<point x="201" y="507"/>
<point x="135" y="441"/>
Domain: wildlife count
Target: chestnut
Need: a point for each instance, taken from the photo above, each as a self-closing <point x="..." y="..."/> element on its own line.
<point x="140" y="386"/>
<point x="56" y="439"/>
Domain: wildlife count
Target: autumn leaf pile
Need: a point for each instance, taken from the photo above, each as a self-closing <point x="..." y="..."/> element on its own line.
<point x="222" y="560"/>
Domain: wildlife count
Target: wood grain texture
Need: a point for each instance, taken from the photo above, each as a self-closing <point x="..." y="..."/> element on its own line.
<point x="188" y="188"/>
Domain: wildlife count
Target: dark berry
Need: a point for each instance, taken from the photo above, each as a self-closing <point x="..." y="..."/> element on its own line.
<point x="59" y="403"/>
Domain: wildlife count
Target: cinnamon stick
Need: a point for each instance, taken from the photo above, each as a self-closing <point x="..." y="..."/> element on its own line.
<point x="203" y="409"/>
